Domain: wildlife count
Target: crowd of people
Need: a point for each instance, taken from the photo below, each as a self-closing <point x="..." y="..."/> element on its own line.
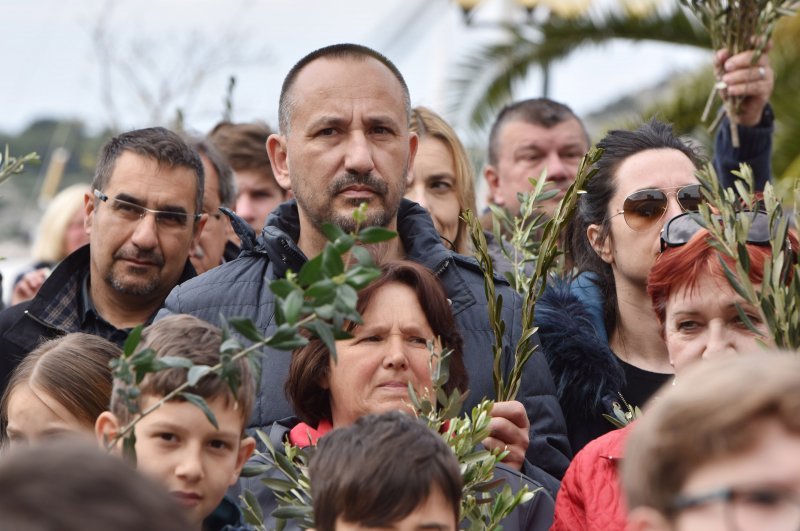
<point x="185" y="232"/>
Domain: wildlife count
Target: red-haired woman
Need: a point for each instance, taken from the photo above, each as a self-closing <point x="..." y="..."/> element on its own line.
<point x="698" y="311"/>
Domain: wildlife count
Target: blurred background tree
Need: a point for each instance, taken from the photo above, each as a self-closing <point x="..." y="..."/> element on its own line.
<point x="487" y="78"/>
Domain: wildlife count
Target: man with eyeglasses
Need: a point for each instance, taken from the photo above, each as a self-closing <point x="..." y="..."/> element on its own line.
<point x="142" y="217"/>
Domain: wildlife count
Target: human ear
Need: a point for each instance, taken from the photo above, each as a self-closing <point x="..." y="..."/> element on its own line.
<point x="646" y="519"/>
<point x="413" y="144"/>
<point x="603" y="247"/>
<point x="106" y="428"/>
<point x="278" y="158"/>
<point x="88" y="208"/>
<point x="198" y="230"/>
<point x="493" y="180"/>
<point x="246" y="447"/>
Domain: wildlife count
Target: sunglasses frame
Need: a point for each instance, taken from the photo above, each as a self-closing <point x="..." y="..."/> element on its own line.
<point x="653" y="220"/>
<point x="751" y="239"/>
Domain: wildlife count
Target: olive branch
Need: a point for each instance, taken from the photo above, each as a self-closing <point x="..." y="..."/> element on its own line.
<point x="778" y="295"/>
<point x="738" y="25"/>
<point x="531" y="261"/>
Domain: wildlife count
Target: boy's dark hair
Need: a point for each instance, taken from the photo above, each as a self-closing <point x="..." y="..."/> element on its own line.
<point x="400" y="461"/>
<point x="71" y="485"/>
<point x="157" y="143"/>
<point x="186" y="336"/>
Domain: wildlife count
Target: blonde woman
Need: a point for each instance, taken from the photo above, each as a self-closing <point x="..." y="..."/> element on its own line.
<point x="60" y="232"/>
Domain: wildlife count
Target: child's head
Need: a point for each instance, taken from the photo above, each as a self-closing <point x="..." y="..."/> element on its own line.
<point x="61" y="387"/>
<point x="176" y="443"/>
<point x="385" y="470"/>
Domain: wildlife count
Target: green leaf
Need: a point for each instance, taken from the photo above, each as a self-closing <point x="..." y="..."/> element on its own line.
<point x="195" y="373"/>
<point x="231" y="345"/>
<point x="252" y="509"/>
<point x="278" y="485"/>
<point x="246" y="327"/>
<point x="200" y="402"/>
<point x="362" y="256"/>
<point x="347" y="297"/>
<point x="282" y="287"/>
<point x="375" y="235"/>
<point x="132" y="341"/>
<point x="332" y="232"/>
<point x="175" y="362"/>
<point x="323" y="332"/>
<point x="291" y="513"/>
<point x="310" y="272"/>
<point x="253" y="470"/>
<point x="332" y="263"/>
<point x="292" y="306"/>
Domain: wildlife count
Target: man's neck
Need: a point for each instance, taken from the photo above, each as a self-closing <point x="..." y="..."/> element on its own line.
<point x="120" y="310"/>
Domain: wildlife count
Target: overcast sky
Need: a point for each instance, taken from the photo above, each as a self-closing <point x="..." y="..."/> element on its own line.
<point x="52" y="62"/>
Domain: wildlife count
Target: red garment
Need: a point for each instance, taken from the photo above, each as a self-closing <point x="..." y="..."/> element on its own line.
<point x="303" y="435"/>
<point x="591" y="497"/>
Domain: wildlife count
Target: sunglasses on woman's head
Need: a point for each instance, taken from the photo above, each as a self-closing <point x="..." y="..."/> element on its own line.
<point x="644" y="208"/>
<point x="680" y="229"/>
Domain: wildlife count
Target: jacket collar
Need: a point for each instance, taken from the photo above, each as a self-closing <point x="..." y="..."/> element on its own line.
<point x="57" y="302"/>
<point x="415" y="228"/>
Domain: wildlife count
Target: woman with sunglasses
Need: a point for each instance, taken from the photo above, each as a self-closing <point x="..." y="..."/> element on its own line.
<point x="697" y="312"/>
<point x="598" y="331"/>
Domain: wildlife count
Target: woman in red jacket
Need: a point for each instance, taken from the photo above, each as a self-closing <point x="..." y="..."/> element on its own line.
<point x="697" y="310"/>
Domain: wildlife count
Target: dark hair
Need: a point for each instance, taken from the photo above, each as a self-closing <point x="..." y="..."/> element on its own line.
<point x="355" y="52"/>
<point x="157" y="143"/>
<point x="310" y="364"/>
<point x="226" y="186"/>
<point x="400" y="461"/>
<point x="186" y="336"/>
<point x="537" y="111"/>
<point x="73" y="370"/>
<point x="592" y="209"/>
<point x="71" y="485"/>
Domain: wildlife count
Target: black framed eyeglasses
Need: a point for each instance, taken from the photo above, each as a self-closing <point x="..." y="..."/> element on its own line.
<point x="131" y="212"/>
<point x="748" y="508"/>
<point x="680" y="229"/>
<point x="644" y="208"/>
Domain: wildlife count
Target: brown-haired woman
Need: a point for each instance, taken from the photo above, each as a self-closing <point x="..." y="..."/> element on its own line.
<point x="402" y="311"/>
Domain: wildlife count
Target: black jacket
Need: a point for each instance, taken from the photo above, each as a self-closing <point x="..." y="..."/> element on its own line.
<point x="53" y="312"/>
<point x="240" y="288"/>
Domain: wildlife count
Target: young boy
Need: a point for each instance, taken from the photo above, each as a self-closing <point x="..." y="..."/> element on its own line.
<point x="385" y="471"/>
<point x="176" y="444"/>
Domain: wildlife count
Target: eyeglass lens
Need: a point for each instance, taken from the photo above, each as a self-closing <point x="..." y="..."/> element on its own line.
<point x="644" y="207"/>
<point x="133" y="212"/>
<point x="765" y="510"/>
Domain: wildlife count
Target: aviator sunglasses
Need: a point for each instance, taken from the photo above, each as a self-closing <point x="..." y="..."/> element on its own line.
<point x="680" y="229"/>
<point x="643" y="208"/>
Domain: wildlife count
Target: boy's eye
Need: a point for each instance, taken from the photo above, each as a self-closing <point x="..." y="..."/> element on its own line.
<point x="219" y="445"/>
